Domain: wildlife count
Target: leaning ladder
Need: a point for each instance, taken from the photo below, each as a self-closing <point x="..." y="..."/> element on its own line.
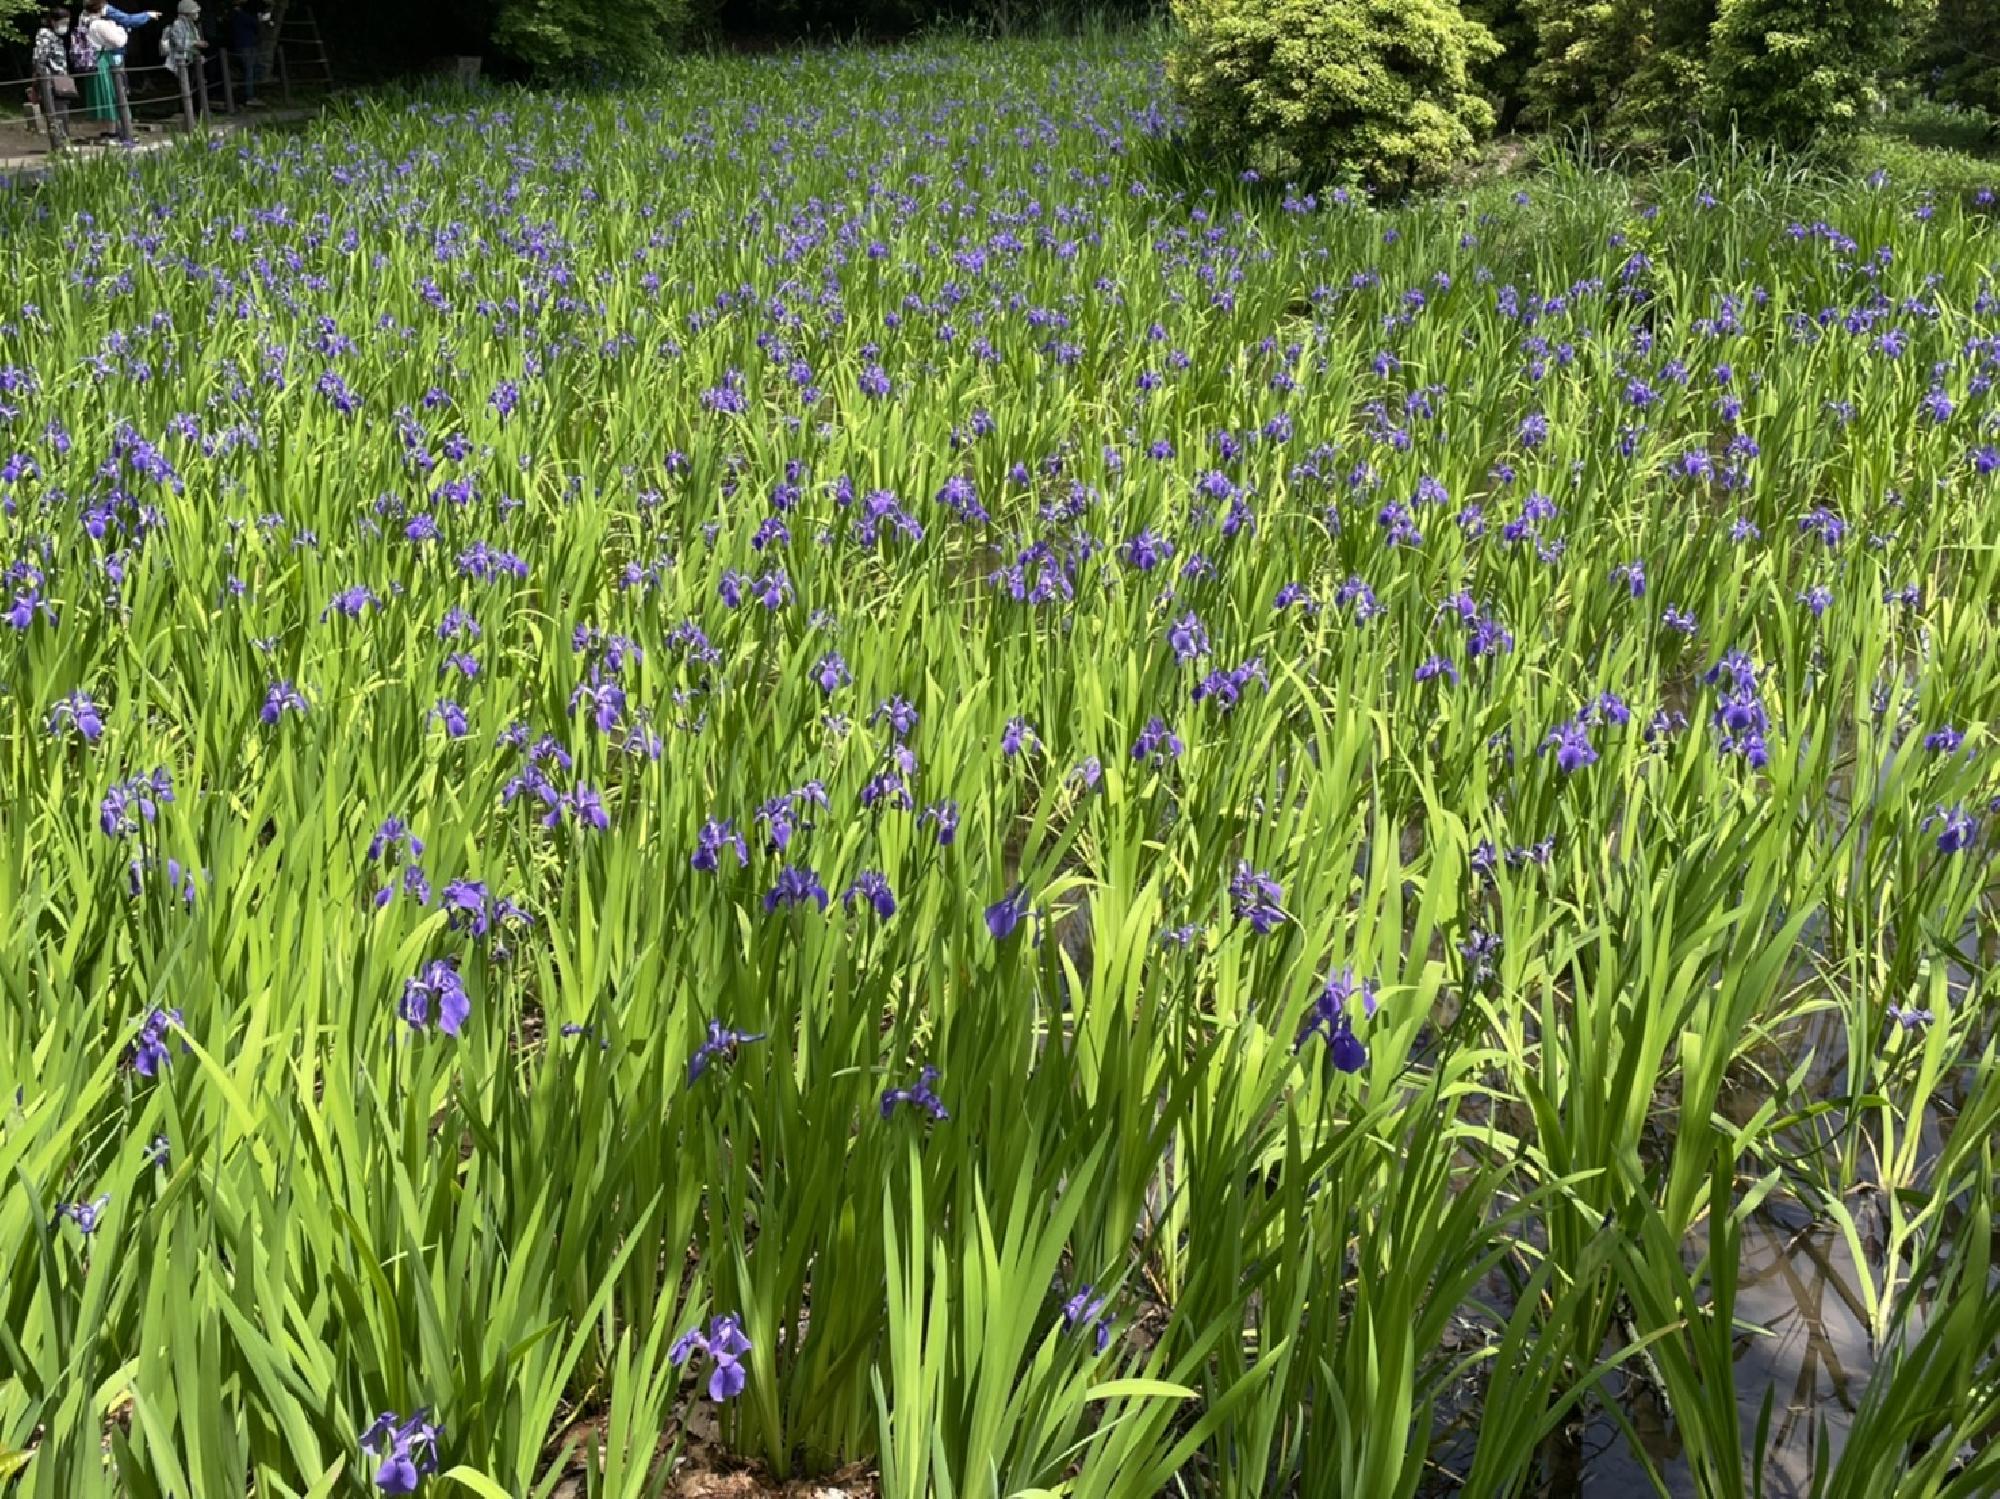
<point x="302" y="50"/>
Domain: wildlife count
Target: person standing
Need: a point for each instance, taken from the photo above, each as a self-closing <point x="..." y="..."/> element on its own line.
<point x="52" y="65"/>
<point x="106" y="29"/>
<point x="182" y="46"/>
<point x="83" y="63"/>
<point x="243" y="32"/>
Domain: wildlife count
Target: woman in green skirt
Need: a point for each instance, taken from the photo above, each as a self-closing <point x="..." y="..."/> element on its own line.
<point x="84" y="61"/>
<point x="99" y="95"/>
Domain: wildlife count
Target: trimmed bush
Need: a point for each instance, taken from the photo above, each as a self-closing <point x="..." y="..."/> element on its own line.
<point x="1380" y="91"/>
<point x="1789" y="70"/>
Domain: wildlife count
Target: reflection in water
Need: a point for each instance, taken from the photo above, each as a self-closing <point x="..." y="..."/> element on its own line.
<point x="1799" y="1286"/>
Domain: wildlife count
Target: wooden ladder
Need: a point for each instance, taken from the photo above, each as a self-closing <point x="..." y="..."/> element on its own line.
<point x="302" y="55"/>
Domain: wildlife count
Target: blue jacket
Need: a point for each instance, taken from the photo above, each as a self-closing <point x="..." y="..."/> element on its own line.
<point x="128" y="19"/>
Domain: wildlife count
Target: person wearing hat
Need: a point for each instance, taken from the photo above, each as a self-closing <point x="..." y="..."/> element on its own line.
<point x="182" y="46"/>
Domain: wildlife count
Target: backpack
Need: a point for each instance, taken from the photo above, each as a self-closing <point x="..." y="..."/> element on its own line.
<point x="82" y="51"/>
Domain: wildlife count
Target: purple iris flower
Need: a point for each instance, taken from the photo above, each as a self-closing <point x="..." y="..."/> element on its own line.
<point x="1157" y="743"/>
<point x="21" y="613"/>
<point x="795" y="886"/>
<point x="1331" y="1017"/>
<point x="1083" y="1311"/>
<point x="721" y="1043"/>
<point x="1537" y="854"/>
<point x="1004" y="915"/>
<point x="349" y="603"/>
<point x="714" y="839"/>
<point x="1479" y="949"/>
<point x="416" y="885"/>
<point x="960" y="497"/>
<point x="724" y="1346"/>
<point x="394" y="832"/>
<point x="457" y="724"/>
<point x="1256" y="898"/>
<point x="605" y="701"/>
<point x="898" y="713"/>
<point x="407" y="1450"/>
<point x="1823" y="523"/>
<point x="468" y="907"/>
<point x="831" y="673"/>
<point x="784" y="814"/>
<point x="1956" y="829"/>
<point x="80" y="712"/>
<point x="437" y="982"/>
<point x="130" y="804"/>
<point x="918" y="1096"/>
<point x="587" y="807"/>
<point x="873" y="887"/>
<point x="1361" y="596"/>
<point x="1571" y="743"/>
<point x="1740" y="715"/>
<point x="1188" y="637"/>
<point x="1485" y="859"/>
<point x="945" y="816"/>
<point x="84" y="1215"/>
<point x="280" y="698"/>
<point x="1147" y="551"/>
<point x="149" y="1052"/>
<point x="1225" y="688"/>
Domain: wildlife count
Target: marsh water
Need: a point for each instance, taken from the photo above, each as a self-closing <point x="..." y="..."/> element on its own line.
<point x="1798" y="1283"/>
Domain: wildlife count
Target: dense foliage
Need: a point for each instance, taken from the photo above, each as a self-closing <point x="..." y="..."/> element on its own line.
<point x="815" y="751"/>
<point x="1626" y="71"/>
<point x="1958" y="57"/>
<point x="1378" y="91"/>
<point x="1656" y="72"/>
<point x="1789" y="71"/>
<point x="1504" y="76"/>
<point x="576" y="39"/>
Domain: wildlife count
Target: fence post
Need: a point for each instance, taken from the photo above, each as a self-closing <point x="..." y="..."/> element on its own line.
<point x="228" y="90"/>
<point x="57" y="126"/>
<point x="284" y="73"/>
<point x="123" y="99"/>
<point x="187" y="96"/>
<point x="201" y="81"/>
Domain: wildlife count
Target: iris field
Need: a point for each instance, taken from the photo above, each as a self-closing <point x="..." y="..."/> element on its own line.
<point x="847" y="750"/>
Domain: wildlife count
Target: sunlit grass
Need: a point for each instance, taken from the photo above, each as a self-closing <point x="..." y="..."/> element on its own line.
<point x="1295" y="765"/>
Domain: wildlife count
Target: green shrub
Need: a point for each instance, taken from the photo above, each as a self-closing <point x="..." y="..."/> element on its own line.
<point x="588" y="38"/>
<point x="1789" y="70"/>
<point x="1379" y="91"/>
<point x="1958" y="58"/>
<point x="1629" y="71"/>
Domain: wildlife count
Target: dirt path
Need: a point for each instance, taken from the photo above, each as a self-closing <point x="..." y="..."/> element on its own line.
<point x="24" y="150"/>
